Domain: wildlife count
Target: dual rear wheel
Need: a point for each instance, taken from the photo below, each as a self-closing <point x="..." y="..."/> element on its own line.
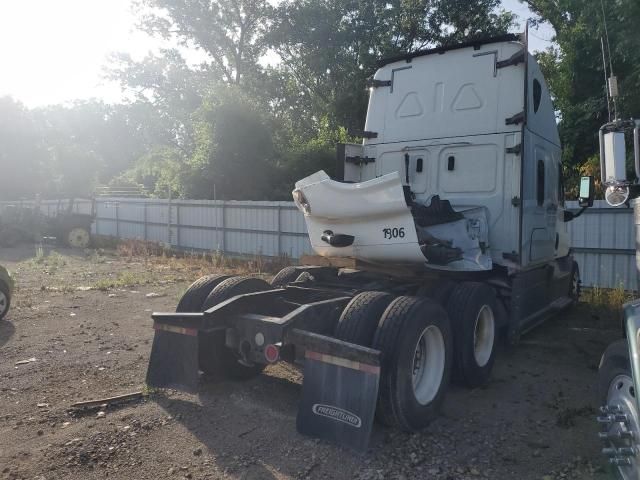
<point x="215" y="358"/>
<point x="422" y="345"/>
<point x="414" y="339"/>
<point x="620" y="416"/>
<point x="472" y="309"/>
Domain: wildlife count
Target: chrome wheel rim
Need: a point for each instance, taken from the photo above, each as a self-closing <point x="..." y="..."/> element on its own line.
<point x="622" y="396"/>
<point x="78" y="237"/>
<point x="4" y="303"/>
<point x="428" y="365"/>
<point x="484" y="335"/>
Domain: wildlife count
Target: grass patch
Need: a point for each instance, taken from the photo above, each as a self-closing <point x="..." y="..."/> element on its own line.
<point x="97" y="256"/>
<point x="140" y="248"/>
<point x="610" y="299"/>
<point x="122" y="280"/>
<point x="195" y="264"/>
<point x="51" y="262"/>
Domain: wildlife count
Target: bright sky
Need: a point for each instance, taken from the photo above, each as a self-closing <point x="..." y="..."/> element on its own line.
<point x="55" y="51"/>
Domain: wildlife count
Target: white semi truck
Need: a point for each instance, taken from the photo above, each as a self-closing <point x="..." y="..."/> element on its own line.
<point x="444" y="229"/>
<point x="619" y="370"/>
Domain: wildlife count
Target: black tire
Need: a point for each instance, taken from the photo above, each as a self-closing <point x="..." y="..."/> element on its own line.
<point x="466" y="303"/>
<point x="193" y="299"/>
<point x="286" y="275"/>
<point x="361" y="316"/>
<point x="615" y="361"/>
<point x="234" y="286"/>
<point x="617" y="394"/>
<point x="4" y="309"/>
<point x="575" y="287"/>
<point x="443" y="291"/>
<point x="215" y="359"/>
<point x="77" y="237"/>
<point x="397" y="337"/>
<point x="305" y="277"/>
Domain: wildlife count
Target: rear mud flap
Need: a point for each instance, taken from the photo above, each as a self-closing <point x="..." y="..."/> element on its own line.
<point x="174" y="358"/>
<point x="338" y="400"/>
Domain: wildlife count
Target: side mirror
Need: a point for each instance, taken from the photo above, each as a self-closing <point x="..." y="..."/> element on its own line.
<point x="587" y="192"/>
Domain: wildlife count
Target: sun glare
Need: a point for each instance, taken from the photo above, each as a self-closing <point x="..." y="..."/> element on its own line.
<point x="53" y="52"/>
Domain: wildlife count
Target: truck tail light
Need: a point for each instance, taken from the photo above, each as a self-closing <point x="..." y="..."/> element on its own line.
<point x="271" y="353"/>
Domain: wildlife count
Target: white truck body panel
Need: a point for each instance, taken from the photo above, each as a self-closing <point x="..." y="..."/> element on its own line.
<point x="361" y="209"/>
<point x="459" y="120"/>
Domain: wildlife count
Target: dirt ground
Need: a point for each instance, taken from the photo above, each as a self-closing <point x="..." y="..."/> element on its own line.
<point x="85" y="319"/>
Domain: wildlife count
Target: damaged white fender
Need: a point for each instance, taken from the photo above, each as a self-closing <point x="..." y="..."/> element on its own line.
<point x="375" y="214"/>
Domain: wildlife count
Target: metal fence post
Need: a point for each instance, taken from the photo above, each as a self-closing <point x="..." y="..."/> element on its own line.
<point x="144" y="218"/>
<point x="117" y="219"/>
<point x="279" y="224"/>
<point x="177" y="224"/>
<point x="169" y="219"/>
<point x="223" y="244"/>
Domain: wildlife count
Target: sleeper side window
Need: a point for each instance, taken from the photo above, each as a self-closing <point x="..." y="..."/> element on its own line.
<point x="537" y="95"/>
<point x="540" y="183"/>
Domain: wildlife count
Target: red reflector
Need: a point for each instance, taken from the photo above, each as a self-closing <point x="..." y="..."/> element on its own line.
<point x="271" y="353"/>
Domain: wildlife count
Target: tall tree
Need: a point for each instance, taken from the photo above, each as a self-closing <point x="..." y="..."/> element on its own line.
<point x="229" y="31"/>
<point x="330" y="47"/>
<point x="575" y="73"/>
<point x="231" y="116"/>
<point x="165" y="93"/>
<point x="102" y="138"/>
<point x="23" y="154"/>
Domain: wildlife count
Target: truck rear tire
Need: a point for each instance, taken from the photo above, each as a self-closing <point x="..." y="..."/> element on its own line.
<point x="576" y="284"/>
<point x="615" y="361"/>
<point x="361" y="316"/>
<point x="286" y="275"/>
<point x="193" y="298"/>
<point x="472" y="310"/>
<point x="414" y="339"/>
<point x="616" y="390"/>
<point x="78" y="237"/>
<point x="5" y="300"/>
<point x="215" y="359"/>
<point x="234" y="286"/>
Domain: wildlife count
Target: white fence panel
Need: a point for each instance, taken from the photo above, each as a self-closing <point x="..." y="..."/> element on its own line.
<point x="602" y="239"/>
<point x="603" y="243"/>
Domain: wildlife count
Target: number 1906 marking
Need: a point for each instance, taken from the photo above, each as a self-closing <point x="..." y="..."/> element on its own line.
<point x="394" y="232"/>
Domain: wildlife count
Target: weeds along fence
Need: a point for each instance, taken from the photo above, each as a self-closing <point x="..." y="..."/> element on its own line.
<point x="602" y="239"/>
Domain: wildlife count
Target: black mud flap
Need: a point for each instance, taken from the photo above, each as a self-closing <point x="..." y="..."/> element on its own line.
<point x="338" y="399"/>
<point x="174" y="358"/>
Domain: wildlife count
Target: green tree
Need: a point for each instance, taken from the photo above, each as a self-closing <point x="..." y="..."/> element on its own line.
<point x="330" y="47"/>
<point x="23" y="155"/>
<point x="101" y="138"/>
<point x="235" y="152"/>
<point x="252" y="130"/>
<point x="164" y="94"/>
<point x="230" y="31"/>
<point x="575" y="72"/>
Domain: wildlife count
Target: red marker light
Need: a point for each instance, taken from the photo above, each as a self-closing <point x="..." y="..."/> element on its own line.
<point x="271" y="353"/>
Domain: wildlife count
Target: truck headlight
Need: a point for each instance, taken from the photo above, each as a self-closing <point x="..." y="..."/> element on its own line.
<point x="301" y="201"/>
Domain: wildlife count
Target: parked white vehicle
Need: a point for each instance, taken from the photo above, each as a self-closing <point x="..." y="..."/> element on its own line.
<point x="619" y="369"/>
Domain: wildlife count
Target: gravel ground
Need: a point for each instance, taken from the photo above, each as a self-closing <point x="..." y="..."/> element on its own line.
<point x="85" y="319"/>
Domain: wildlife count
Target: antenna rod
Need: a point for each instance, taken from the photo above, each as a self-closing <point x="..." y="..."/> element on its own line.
<point x="606" y="88"/>
<point x="606" y="35"/>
